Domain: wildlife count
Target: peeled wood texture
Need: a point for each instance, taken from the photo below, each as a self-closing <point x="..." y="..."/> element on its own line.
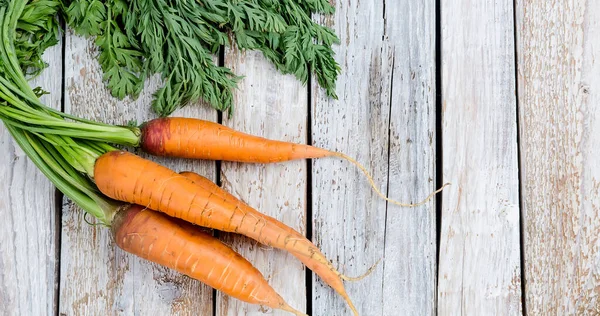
<point x="97" y="277"/>
<point x="270" y="105"/>
<point x="409" y="269"/>
<point x="479" y="270"/>
<point x="348" y="217"/>
<point x="29" y="212"/>
<point x="559" y="94"/>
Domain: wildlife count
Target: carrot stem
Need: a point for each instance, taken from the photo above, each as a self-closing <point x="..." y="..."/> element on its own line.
<point x="58" y="171"/>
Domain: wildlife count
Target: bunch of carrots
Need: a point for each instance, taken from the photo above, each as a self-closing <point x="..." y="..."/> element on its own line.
<point x="155" y="212"/>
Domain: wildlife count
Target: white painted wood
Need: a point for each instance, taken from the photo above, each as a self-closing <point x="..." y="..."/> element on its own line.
<point x="559" y="93"/>
<point x="410" y="250"/>
<point x="348" y="217"/>
<point x="29" y="212"/>
<point x="274" y="106"/>
<point x="479" y="270"/>
<point x="97" y="278"/>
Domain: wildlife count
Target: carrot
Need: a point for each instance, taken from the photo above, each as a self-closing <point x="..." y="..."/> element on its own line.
<point x="326" y="271"/>
<point x="183" y="247"/>
<point x="127" y="177"/>
<point x="199" y="139"/>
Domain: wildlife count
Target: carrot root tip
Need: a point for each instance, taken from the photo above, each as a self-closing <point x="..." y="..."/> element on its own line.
<point x="354" y="310"/>
<point x="374" y="186"/>
<point x="290" y="309"/>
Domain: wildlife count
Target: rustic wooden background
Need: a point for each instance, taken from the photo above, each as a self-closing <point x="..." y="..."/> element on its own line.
<point x="500" y="98"/>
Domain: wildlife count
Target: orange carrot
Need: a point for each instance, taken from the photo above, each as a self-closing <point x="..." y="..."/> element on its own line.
<point x="199" y="139"/>
<point x="127" y="177"/>
<point x="183" y="247"/>
<point x="325" y="270"/>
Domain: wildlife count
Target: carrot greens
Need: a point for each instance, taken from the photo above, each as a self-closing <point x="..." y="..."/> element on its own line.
<point x="37" y="29"/>
<point x="178" y="38"/>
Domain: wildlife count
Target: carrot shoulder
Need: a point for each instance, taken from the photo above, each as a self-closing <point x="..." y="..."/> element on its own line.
<point x="183" y="247"/>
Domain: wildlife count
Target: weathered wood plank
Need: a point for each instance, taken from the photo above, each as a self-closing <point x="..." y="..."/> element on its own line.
<point x="97" y="277"/>
<point x="29" y="212"/>
<point x="559" y="93"/>
<point x="274" y="106"/>
<point x="479" y="270"/>
<point x="410" y="233"/>
<point x="348" y="217"/>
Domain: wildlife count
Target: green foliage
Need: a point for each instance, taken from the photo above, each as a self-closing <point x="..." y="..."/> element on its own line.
<point x="86" y="16"/>
<point x="178" y="38"/>
<point x="121" y="62"/>
<point x="178" y="43"/>
<point x="37" y="29"/>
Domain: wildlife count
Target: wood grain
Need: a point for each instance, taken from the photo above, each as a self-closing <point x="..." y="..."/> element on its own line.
<point x="348" y="218"/>
<point x="479" y="270"/>
<point x="274" y="106"/>
<point x="98" y="278"/>
<point x="29" y="212"/>
<point x="409" y="276"/>
<point x="559" y="93"/>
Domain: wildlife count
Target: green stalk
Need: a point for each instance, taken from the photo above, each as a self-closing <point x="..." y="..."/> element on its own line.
<point x="77" y="157"/>
<point x="52" y="121"/>
<point x="38" y="117"/>
<point x="73" y="176"/>
<point x="94" y="136"/>
<point x="7" y="86"/>
<point x="57" y="170"/>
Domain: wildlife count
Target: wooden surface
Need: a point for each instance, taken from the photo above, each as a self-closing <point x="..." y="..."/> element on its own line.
<point x="274" y="106"/>
<point x="28" y="229"/>
<point x="376" y="120"/>
<point x="479" y="271"/>
<point x="348" y="219"/>
<point x="97" y="278"/>
<point x="559" y="94"/>
<point x="409" y="276"/>
<point x="394" y="102"/>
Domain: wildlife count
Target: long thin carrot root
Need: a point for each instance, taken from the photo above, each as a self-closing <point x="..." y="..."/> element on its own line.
<point x="374" y="186"/>
<point x="360" y="277"/>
